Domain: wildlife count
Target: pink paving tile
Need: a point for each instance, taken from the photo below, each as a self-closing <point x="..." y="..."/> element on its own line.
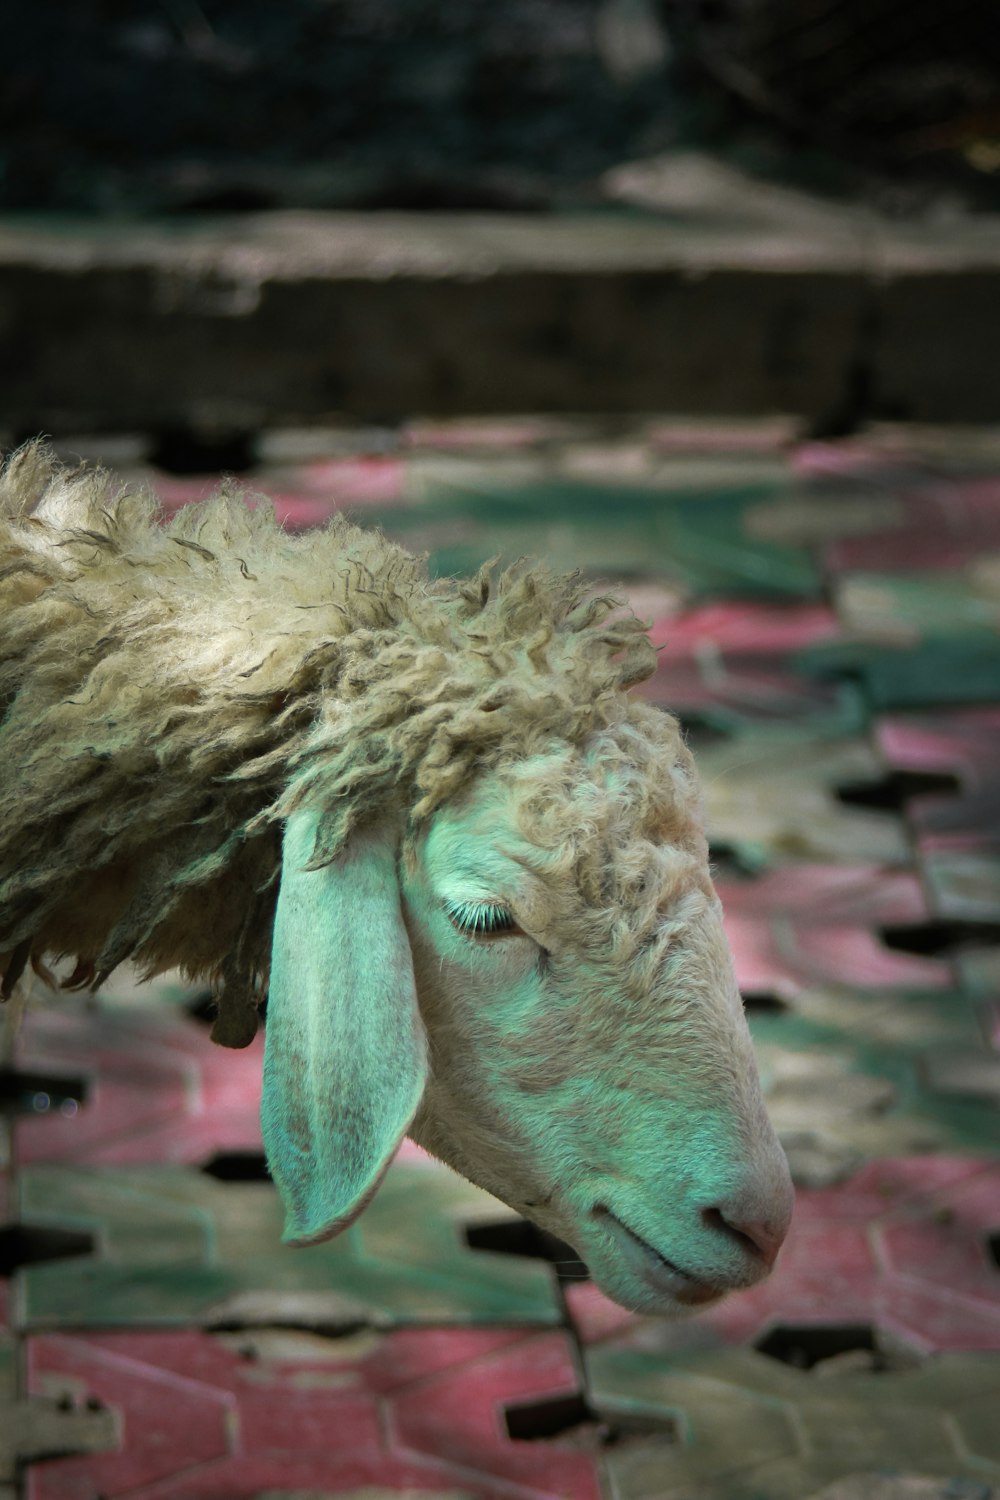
<point x="542" y="1369"/>
<point x="851" y="956"/>
<point x="782" y="958"/>
<point x="412" y="1355"/>
<point x="164" y="1414"/>
<point x="743" y="628"/>
<point x="130" y="1100"/>
<point x="755" y="687"/>
<point x="934" y="1319"/>
<point x="343" y="483"/>
<point x="962" y="744"/>
<point x="803" y="924"/>
<point x="817" y="459"/>
<point x="158" y="1088"/>
<point x="737" y="656"/>
<point x="928" y="1248"/>
<point x="944" y="524"/>
<point x="199" y="1418"/>
<point x="831" y="895"/>
<point x="951" y="1241"/>
<point x="828" y="1275"/>
<point x="311" y="1477"/>
<point x="886" y="1186"/>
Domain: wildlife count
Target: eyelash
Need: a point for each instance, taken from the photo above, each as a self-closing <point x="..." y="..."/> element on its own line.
<point x="485" y="920"/>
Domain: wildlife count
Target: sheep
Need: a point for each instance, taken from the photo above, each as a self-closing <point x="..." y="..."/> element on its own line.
<point x="429" y="823"/>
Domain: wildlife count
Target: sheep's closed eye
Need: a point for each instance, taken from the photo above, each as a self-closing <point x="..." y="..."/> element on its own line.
<point x="481" y="919"/>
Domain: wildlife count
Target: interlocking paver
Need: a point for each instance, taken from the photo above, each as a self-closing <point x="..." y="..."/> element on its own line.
<point x="826" y="617"/>
<point x="177" y="1247"/>
<point x="771" y="796"/>
<point x="962" y="744"/>
<point x="38" y="1426"/>
<point x="940" y="524"/>
<point x="909" y="1486"/>
<point x="852" y="1074"/>
<point x="201" y="1416"/>
<point x="158" y="1090"/>
<point x="964" y="884"/>
<point x="750" y="1427"/>
<point x="808" y="924"/>
<point x="901" y="609"/>
<point x="733" y="666"/>
<point x="979" y="973"/>
<point x="940" y="670"/>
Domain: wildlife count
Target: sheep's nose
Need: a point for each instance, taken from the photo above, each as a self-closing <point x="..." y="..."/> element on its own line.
<point x="757" y="1220"/>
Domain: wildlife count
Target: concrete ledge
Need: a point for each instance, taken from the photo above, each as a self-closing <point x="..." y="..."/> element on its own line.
<point x="254" y="320"/>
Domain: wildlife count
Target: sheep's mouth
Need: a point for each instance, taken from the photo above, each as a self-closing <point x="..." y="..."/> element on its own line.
<point x="692" y="1289"/>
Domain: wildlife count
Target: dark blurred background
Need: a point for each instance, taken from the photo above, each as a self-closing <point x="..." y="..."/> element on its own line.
<point x="190" y="105"/>
<point x="218" y="217"/>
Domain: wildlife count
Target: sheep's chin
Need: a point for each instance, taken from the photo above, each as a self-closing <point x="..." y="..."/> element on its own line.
<point x="629" y="1271"/>
<point x="641" y="1285"/>
<point x="636" y="1297"/>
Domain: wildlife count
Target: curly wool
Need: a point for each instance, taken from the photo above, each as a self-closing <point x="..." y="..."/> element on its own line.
<point x="171" y="691"/>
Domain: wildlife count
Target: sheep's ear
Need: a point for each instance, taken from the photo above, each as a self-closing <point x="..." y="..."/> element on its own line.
<point x="345" y="1055"/>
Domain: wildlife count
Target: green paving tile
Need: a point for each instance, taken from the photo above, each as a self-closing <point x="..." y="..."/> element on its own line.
<point x="849" y="1076"/>
<point x="466" y="513"/>
<point x="833" y="709"/>
<point x="689" y="529"/>
<point x="8" y="1368"/>
<point x="37" y="1428"/>
<point x="909" y="1486"/>
<point x="964" y="885"/>
<point x="816" y="511"/>
<point x="907" y="1020"/>
<point x="719" y="554"/>
<point x="965" y="1071"/>
<point x="979" y="972"/>
<point x="905" y="607"/>
<point x="770" y="795"/>
<point x="735" y="1425"/>
<point x="177" y="1247"/>
<point x="934" y="671"/>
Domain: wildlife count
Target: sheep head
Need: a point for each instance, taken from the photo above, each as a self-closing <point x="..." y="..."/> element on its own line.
<point x="494" y="926"/>
<point x="535" y="985"/>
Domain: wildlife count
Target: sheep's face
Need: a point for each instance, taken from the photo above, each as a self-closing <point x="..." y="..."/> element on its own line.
<point x="589" y="1059"/>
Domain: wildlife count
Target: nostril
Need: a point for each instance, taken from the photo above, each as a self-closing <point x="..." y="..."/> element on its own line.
<point x="758" y="1239"/>
<point x="716" y="1219"/>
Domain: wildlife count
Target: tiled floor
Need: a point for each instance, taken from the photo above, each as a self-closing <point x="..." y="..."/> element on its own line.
<point x="829" y="622"/>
